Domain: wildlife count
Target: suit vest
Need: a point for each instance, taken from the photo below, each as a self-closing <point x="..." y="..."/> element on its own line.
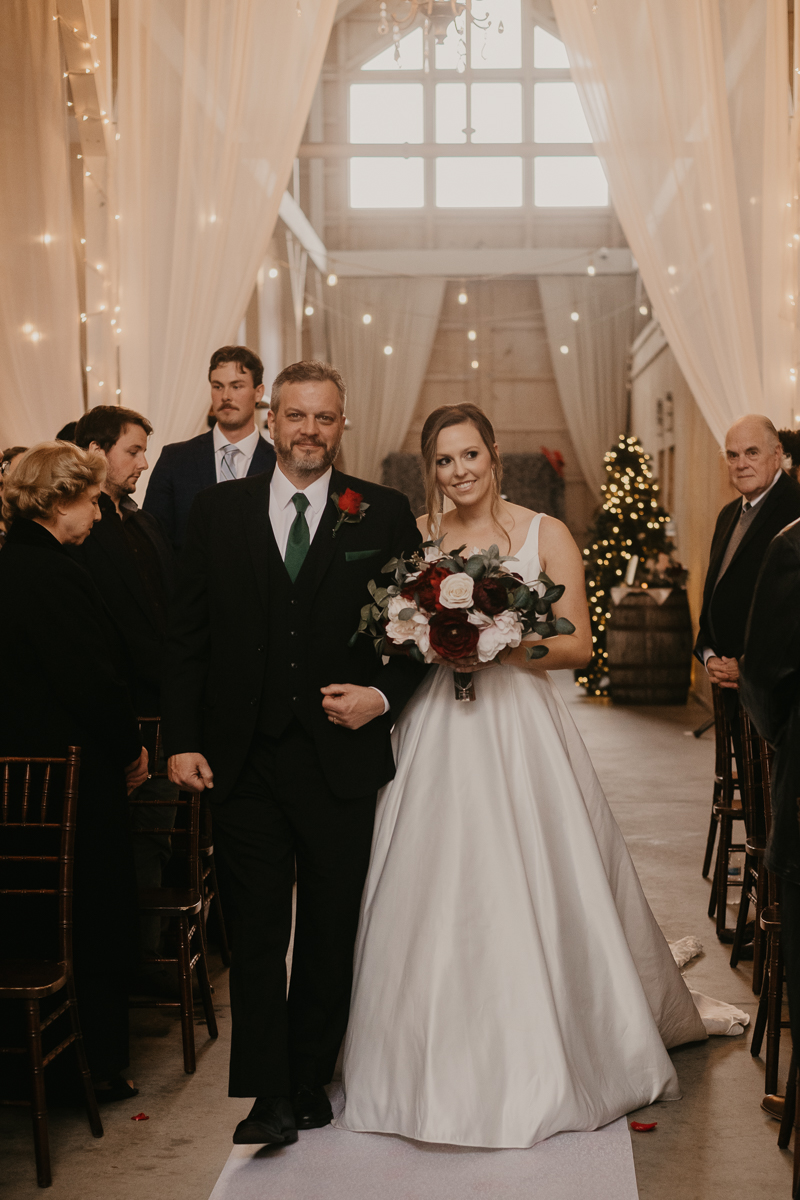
<point x="287" y="687"/>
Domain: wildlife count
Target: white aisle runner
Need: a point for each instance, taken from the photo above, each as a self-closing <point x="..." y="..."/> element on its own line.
<point x="332" y="1164"/>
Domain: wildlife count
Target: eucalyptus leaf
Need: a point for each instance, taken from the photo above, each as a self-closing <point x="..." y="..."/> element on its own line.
<point x="416" y="654"/>
<point x="562" y="625"/>
<point x="546" y="580"/>
<point x="541" y="606"/>
<point x="406" y="614"/>
<point x="354" y="638"/>
<point x="543" y="628"/>
<point x="522" y="597"/>
<point x="475" y="567"/>
<point x="537" y="651"/>
<point x="554" y="593"/>
<point x="391" y="565"/>
<point x="372" y="587"/>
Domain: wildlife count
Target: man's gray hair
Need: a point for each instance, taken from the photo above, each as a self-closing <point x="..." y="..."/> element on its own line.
<point x="303" y="372"/>
<point x="765" y="424"/>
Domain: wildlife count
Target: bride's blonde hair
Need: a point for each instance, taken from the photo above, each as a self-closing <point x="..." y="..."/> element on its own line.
<point x="443" y="418"/>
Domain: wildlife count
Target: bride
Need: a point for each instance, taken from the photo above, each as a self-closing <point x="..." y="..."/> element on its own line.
<point x="510" y="978"/>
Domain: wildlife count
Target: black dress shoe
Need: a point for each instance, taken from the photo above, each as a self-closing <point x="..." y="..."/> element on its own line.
<point x="312" y="1108"/>
<point x="269" y="1122"/>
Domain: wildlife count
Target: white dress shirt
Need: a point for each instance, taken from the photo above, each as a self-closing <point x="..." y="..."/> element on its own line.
<point x="282" y="513"/>
<point x="707" y="651"/>
<point x="241" y="461"/>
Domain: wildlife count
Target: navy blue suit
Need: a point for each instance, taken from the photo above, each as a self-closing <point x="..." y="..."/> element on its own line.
<point x="184" y="469"/>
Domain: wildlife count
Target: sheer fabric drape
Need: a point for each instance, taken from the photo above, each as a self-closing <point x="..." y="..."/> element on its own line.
<point x="212" y="101"/>
<point x="39" y="314"/>
<point x="591" y="376"/>
<point x="688" y="108"/>
<point x="382" y="389"/>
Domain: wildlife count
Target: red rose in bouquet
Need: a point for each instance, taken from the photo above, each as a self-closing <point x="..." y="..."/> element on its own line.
<point x="490" y="596"/>
<point x="452" y="635"/>
<point x="350" y="502"/>
<point x="426" y="587"/>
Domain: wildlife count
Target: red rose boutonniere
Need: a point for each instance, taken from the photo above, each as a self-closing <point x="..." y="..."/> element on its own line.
<point x="350" y="506"/>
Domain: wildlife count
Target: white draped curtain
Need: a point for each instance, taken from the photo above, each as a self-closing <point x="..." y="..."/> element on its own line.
<point x="382" y="389"/>
<point x="688" y="104"/>
<point x="592" y="374"/>
<point x="212" y="100"/>
<point x="39" y="314"/>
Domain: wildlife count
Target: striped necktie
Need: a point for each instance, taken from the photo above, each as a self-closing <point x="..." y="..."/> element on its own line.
<point x="229" y="455"/>
<point x="299" y="540"/>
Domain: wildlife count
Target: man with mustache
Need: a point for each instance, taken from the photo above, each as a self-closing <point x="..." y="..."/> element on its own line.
<point x="268" y="703"/>
<point x="233" y="449"/>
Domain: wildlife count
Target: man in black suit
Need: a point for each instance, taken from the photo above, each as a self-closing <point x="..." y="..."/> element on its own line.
<point x="744" y="530"/>
<point x="133" y="567"/>
<point x="233" y="449"/>
<point x="770" y="683"/>
<point x="267" y="702"/>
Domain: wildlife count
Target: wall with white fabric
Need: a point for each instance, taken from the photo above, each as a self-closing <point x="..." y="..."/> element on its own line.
<point x="514" y="382"/>
<point x="686" y="459"/>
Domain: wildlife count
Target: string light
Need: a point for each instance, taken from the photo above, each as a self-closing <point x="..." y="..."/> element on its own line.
<point x="564" y="349"/>
<point x="574" y="316"/>
<point x="474" y="364"/>
<point x="367" y="319"/>
<point x="309" y="310"/>
<point x="462" y="297"/>
<point x="387" y="350"/>
<point x="590" y="270"/>
<point x="472" y="335"/>
<point x="46" y="239"/>
<point x="332" y="280"/>
<point x="643" y="309"/>
<point x="273" y="272"/>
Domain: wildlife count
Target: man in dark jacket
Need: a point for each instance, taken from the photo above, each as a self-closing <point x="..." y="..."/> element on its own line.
<point x="133" y="567"/>
<point x="233" y="449"/>
<point x="268" y="702"/>
<point x="770" y="683"/>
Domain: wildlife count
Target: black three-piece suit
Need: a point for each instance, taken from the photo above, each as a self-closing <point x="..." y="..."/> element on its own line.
<point x="183" y="470"/>
<point x="249" y="652"/>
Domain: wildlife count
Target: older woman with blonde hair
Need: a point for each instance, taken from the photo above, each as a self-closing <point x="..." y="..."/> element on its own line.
<point x="63" y="686"/>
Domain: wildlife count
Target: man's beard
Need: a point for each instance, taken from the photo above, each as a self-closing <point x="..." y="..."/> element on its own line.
<point x="299" y="464"/>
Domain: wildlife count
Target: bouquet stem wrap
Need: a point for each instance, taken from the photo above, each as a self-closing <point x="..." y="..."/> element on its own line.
<point x="465" y="688"/>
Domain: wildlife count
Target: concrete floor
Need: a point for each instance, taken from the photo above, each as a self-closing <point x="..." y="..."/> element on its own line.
<point x="709" y="1144"/>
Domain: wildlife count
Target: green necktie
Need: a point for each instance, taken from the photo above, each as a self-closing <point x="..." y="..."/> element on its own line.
<point x="298" y="543"/>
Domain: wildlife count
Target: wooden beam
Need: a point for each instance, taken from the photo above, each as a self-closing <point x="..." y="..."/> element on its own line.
<point x="457" y="264"/>
<point x="444" y="150"/>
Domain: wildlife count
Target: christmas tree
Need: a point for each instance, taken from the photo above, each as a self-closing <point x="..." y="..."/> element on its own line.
<point x="629" y="523"/>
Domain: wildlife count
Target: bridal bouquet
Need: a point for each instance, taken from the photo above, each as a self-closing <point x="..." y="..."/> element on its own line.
<point x="446" y="606"/>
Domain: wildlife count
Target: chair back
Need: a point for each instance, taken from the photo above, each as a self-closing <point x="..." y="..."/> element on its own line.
<point x="185" y="834"/>
<point x="38" y="803"/>
<point x="723" y="749"/>
<point x="751" y="755"/>
<point x="767" y="754"/>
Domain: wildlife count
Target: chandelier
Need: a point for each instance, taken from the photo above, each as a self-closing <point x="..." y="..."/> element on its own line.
<point x="437" y="16"/>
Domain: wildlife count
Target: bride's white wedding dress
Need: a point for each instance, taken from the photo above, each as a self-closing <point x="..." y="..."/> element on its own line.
<point x="510" y="978"/>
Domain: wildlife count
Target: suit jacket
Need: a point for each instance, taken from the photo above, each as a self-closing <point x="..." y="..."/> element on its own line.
<point x="770" y="689"/>
<point x="723" y="617"/>
<point x="63" y="686"/>
<point x="249" y="650"/>
<point x="184" y="469"/>
<point x="108" y="558"/>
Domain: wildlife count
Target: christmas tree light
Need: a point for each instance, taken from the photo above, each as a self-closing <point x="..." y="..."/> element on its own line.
<point x="629" y="522"/>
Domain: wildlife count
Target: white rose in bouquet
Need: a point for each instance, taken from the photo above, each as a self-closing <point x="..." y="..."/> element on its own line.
<point x="413" y="629"/>
<point x="456" y="590"/>
<point x="504" y="630"/>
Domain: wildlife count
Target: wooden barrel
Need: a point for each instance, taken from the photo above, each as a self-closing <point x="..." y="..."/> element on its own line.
<point x="650" y="649"/>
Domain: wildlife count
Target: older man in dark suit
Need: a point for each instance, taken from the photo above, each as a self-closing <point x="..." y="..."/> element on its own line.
<point x="133" y="567"/>
<point x="233" y="449"/>
<point x="770" y="499"/>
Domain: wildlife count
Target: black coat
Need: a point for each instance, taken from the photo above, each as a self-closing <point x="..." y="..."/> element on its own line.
<point x="249" y="650"/>
<point x="723" y="617"/>
<point x="106" y="556"/>
<point x="184" y="469"/>
<point x="770" y="689"/>
<point x="62" y="685"/>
